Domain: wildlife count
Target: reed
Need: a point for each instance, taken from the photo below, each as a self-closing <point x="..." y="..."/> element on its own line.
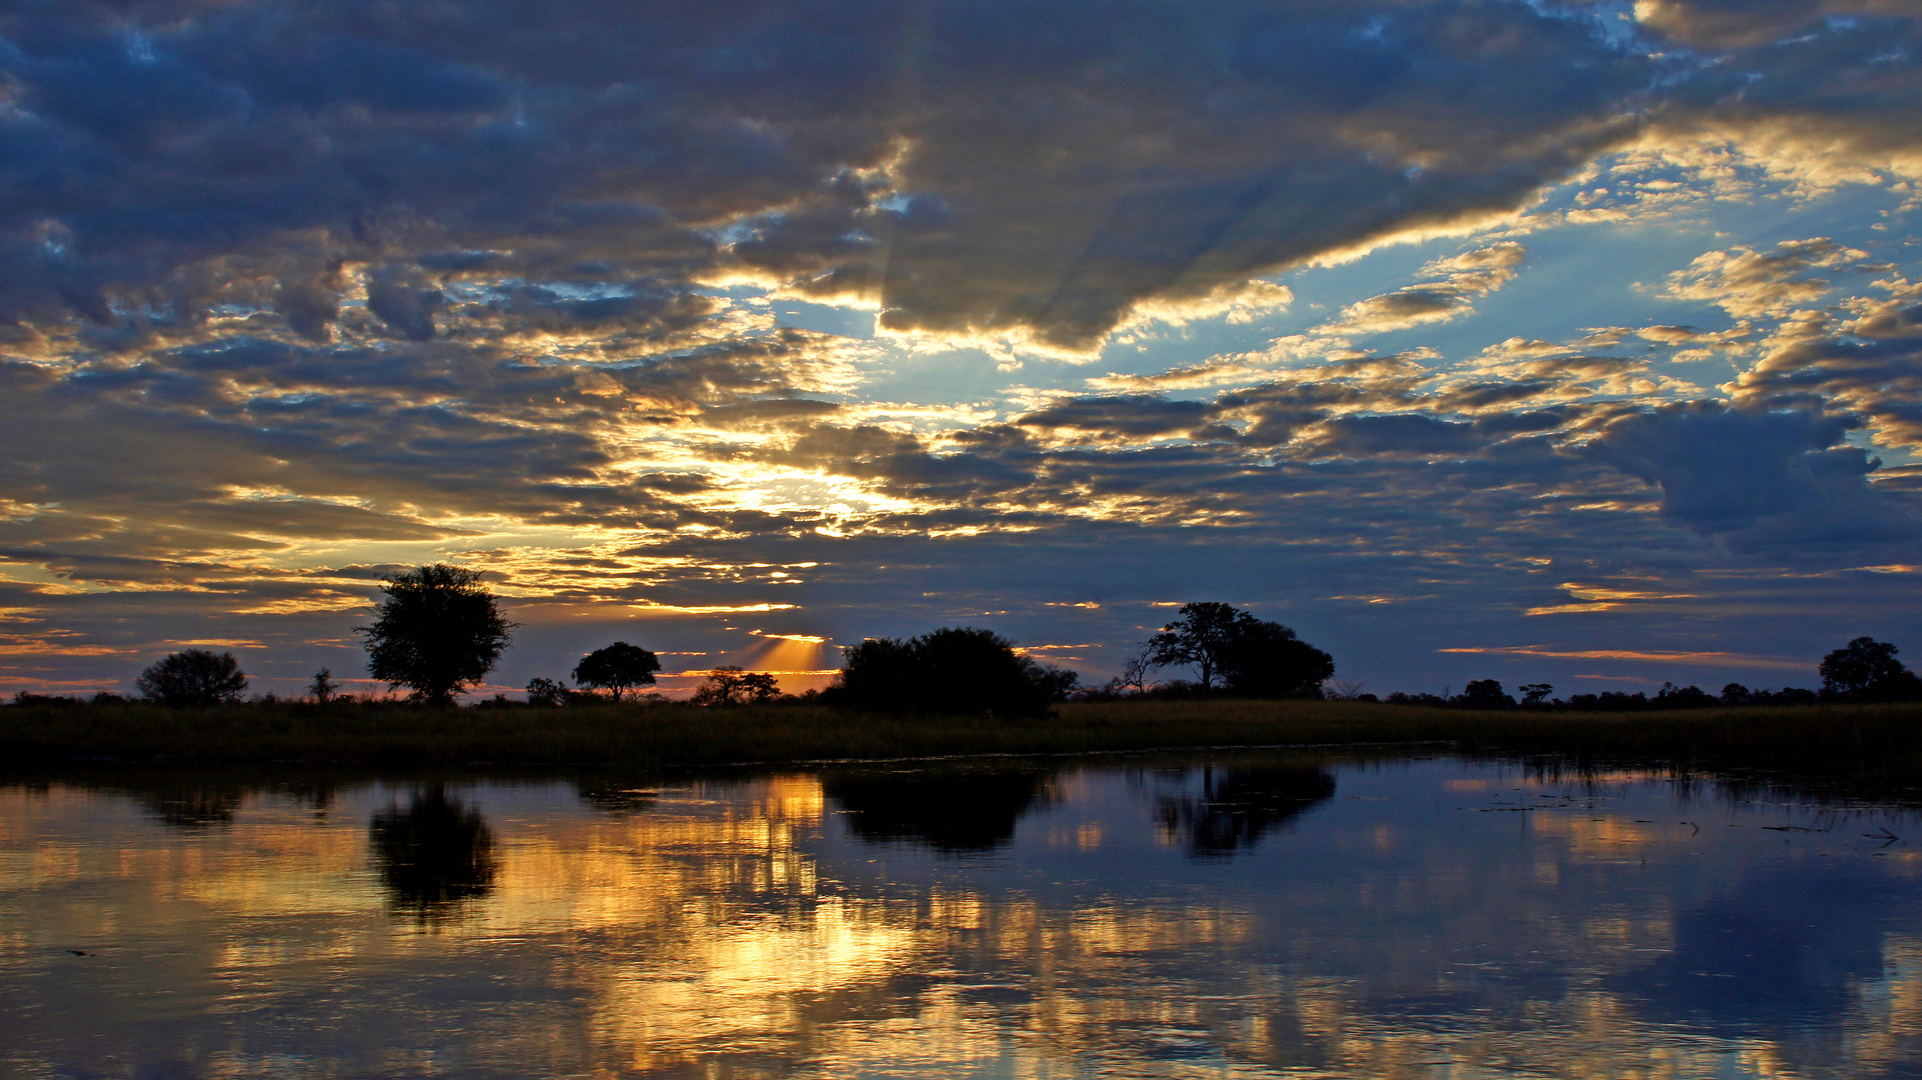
<point x="1838" y="740"/>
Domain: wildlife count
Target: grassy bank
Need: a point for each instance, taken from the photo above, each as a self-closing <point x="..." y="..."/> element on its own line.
<point x="1839" y="740"/>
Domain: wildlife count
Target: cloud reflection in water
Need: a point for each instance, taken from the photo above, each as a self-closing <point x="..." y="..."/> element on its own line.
<point x="1422" y="913"/>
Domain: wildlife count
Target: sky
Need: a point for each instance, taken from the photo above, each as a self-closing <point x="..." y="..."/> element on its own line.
<point x="1547" y="342"/>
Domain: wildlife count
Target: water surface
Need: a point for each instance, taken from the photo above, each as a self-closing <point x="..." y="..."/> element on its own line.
<point x="1248" y="915"/>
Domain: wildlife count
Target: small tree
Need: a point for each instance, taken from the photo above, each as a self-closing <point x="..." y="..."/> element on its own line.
<point x="732" y="686"/>
<point x="194" y="677"/>
<point x="1535" y="693"/>
<point x="618" y="667"/>
<point x="1867" y="669"/>
<point x="323" y="687"/>
<point x="1134" y="674"/>
<point x="437" y="633"/>
<point x="546" y="693"/>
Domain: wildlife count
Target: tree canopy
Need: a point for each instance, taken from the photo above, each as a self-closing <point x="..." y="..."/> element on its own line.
<point x="1251" y="657"/>
<point x="194" y="677"/>
<point x="732" y="686"/>
<point x="437" y="633"/>
<point x="958" y="669"/>
<point x="618" y="667"/>
<point x="1867" y="669"/>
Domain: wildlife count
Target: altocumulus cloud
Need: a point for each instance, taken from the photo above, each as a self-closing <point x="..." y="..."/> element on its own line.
<point x="294" y="292"/>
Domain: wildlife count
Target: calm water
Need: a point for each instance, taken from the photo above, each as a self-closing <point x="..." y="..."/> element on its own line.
<point x="1245" y="917"/>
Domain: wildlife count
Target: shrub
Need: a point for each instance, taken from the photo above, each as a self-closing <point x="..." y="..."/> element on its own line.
<point x="957" y="669"/>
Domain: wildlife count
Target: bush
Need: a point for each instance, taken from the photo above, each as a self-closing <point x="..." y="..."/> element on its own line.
<point x="957" y="669"/>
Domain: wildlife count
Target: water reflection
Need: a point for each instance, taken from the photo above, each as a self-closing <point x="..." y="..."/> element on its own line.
<point x="1235" y="808"/>
<point x="618" y="795"/>
<point x="950" y="810"/>
<point x="194" y="807"/>
<point x="1437" y="919"/>
<point x="433" y="856"/>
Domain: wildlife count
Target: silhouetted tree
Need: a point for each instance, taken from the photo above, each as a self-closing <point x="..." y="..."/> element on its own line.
<point x="732" y="686"/>
<point x="618" y="667"/>
<point x="323" y="687"/>
<point x="1484" y="694"/>
<point x="545" y="692"/>
<point x="1866" y="669"/>
<point x="1252" y="657"/>
<point x="1671" y="696"/>
<point x="1535" y="693"/>
<point x="1266" y="659"/>
<point x="194" y="677"/>
<point x="957" y="669"/>
<point x="1735" y="694"/>
<point x="1200" y="639"/>
<point x="437" y="633"/>
<point x="1134" y="674"/>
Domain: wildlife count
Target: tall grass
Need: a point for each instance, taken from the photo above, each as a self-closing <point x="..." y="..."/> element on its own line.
<point x="1832" y="740"/>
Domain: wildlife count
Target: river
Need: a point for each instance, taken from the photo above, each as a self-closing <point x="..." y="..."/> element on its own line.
<point x="1225" y="915"/>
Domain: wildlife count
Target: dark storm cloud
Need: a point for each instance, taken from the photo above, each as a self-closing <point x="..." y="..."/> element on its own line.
<point x="1785" y="477"/>
<point x="997" y="170"/>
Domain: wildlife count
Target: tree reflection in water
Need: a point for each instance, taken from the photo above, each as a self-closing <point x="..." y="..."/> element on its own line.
<point x="962" y="811"/>
<point x="193" y="807"/>
<point x="1237" y="807"/>
<point x="433" y="856"/>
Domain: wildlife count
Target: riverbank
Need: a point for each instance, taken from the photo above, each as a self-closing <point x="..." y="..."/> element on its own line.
<point x="1838" y="740"/>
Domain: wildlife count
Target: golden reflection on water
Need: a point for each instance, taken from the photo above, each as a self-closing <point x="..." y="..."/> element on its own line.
<point x="1445" y="921"/>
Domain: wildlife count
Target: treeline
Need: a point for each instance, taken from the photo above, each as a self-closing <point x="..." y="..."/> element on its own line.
<point x="1864" y="670"/>
<point x="439" y="632"/>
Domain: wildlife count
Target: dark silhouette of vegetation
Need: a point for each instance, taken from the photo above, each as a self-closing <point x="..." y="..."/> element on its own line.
<point x="1237" y="807"/>
<point x="434" y="855"/>
<point x="1866" y="670"/>
<point x="1483" y="694"/>
<point x="956" y="811"/>
<point x="194" y="678"/>
<point x="1253" y="658"/>
<point x="546" y="693"/>
<point x="323" y="688"/>
<point x="956" y="670"/>
<point x="1737" y="694"/>
<point x="618" y="667"/>
<point x="53" y="701"/>
<point x="437" y="633"/>
<point x="731" y="686"/>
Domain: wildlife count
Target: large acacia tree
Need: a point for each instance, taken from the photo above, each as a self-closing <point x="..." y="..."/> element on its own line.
<point x="437" y="633"/>
<point x="619" y="667"/>
<point x="1253" y="657"/>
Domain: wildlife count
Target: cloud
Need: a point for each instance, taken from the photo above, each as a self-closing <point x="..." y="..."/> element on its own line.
<point x="1734" y="24"/>
<point x="1784" y="476"/>
<point x="1751" y="284"/>
<point x="1457" y="282"/>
